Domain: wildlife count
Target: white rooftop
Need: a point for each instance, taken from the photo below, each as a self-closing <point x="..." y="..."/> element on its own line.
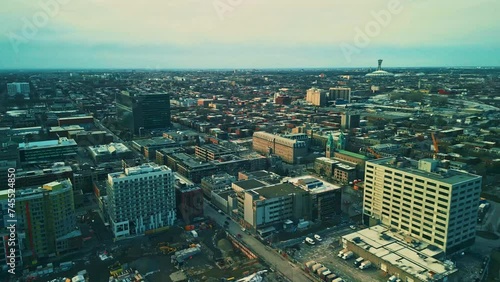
<point x="418" y="261"/>
<point x="325" y="186"/>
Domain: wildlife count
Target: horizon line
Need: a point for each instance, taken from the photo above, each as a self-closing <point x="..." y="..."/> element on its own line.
<point x="239" y="69"/>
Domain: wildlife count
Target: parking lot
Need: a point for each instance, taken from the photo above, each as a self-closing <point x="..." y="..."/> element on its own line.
<point x="325" y="252"/>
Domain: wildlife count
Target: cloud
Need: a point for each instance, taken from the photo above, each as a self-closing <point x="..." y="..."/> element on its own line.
<point x="274" y="25"/>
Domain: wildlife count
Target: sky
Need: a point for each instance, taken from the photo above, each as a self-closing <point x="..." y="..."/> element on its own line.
<point x="172" y="34"/>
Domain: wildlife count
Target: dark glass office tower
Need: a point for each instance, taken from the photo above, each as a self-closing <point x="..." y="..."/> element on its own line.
<point x="143" y="111"/>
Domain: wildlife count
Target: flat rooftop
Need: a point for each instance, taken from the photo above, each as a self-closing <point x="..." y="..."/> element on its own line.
<point x="66" y="128"/>
<point x="392" y="248"/>
<point x="191" y="162"/>
<point x="327" y="160"/>
<point x="48" y="143"/>
<point x="155" y="141"/>
<point x="218" y="178"/>
<point x="37" y="172"/>
<point x="249" y="184"/>
<point x="278" y="190"/>
<point x="215" y="148"/>
<point x="449" y="176"/>
<point x="142" y="169"/>
<point x="319" y="184"/>
<point x="76" y="117"/>
<point x="109" y="149"/>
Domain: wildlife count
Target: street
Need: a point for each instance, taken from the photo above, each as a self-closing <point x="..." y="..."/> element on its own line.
<point x="280" y="264"/>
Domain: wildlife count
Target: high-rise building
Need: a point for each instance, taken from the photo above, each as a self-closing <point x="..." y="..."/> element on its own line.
<point x="46" y="222"/>
<point x="316" y="96"/>
<point x="422" y="201"/>
<point x="140" y="198"/>
<point x="349" y="121"/>
<point x="144" y="111"/>
<point x="340" y="93"/>
<point x="18" y="88"/>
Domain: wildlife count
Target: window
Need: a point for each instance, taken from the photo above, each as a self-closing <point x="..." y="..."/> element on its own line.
<point x="443" y="193"/>
<point x="444" y="187"/>
<point x="442" y="206"/>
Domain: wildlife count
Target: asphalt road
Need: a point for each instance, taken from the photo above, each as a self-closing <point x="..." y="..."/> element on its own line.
<point x="280" y="264"/>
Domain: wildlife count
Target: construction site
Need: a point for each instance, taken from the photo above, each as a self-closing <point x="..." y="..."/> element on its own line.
<point x="198" y="252"/>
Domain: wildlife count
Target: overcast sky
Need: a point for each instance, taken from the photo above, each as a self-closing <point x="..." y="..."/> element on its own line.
<point x="248" y="33"/>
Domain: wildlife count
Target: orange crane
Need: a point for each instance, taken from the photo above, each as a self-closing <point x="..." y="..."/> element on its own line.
<point x="377" y="155"/>
<point x="435" y="142"/>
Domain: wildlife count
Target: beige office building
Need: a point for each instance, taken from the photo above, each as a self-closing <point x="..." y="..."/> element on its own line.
<point x="316" y="96"/>
<point x="423" y="202"/>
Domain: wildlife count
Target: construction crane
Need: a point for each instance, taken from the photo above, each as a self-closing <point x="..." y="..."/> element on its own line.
<point x="435" y="142"/>
<point x="377" y="155"/>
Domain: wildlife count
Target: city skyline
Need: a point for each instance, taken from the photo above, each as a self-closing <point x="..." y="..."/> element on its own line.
<point x="73" y="34"/>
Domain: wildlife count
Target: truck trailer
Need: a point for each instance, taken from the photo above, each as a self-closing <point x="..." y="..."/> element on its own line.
<point x="341" y="253"/>
<point x="348" y="255"/>
<point x="309" y="264"/>
<point x="324" y="274"/>
<point x="358" y="261"/>
<point x="316" y="267"/>
<point x="331" y="277"/>
<point x="365" y="264"/>
<point x="321" y="270"/>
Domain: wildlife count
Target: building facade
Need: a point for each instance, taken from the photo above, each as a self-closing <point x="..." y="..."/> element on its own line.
<point x="289" y="150"/>
<point x="216" y="183"/>
<point x="189" y="203"/>
<point x="46" y="221"/>
<point x="144" y="111"/>
<point x="339" y="93"/>
<point x="140" y="199"/>
<point x="271" y="205"/>
<point x="348" y="121"/>
<point x="210" y="152"/>
<point x="18" y="88"/>
<point x="430" y="204"/>
<point x="44" y="151"/>
<point x="316" y="96"/>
